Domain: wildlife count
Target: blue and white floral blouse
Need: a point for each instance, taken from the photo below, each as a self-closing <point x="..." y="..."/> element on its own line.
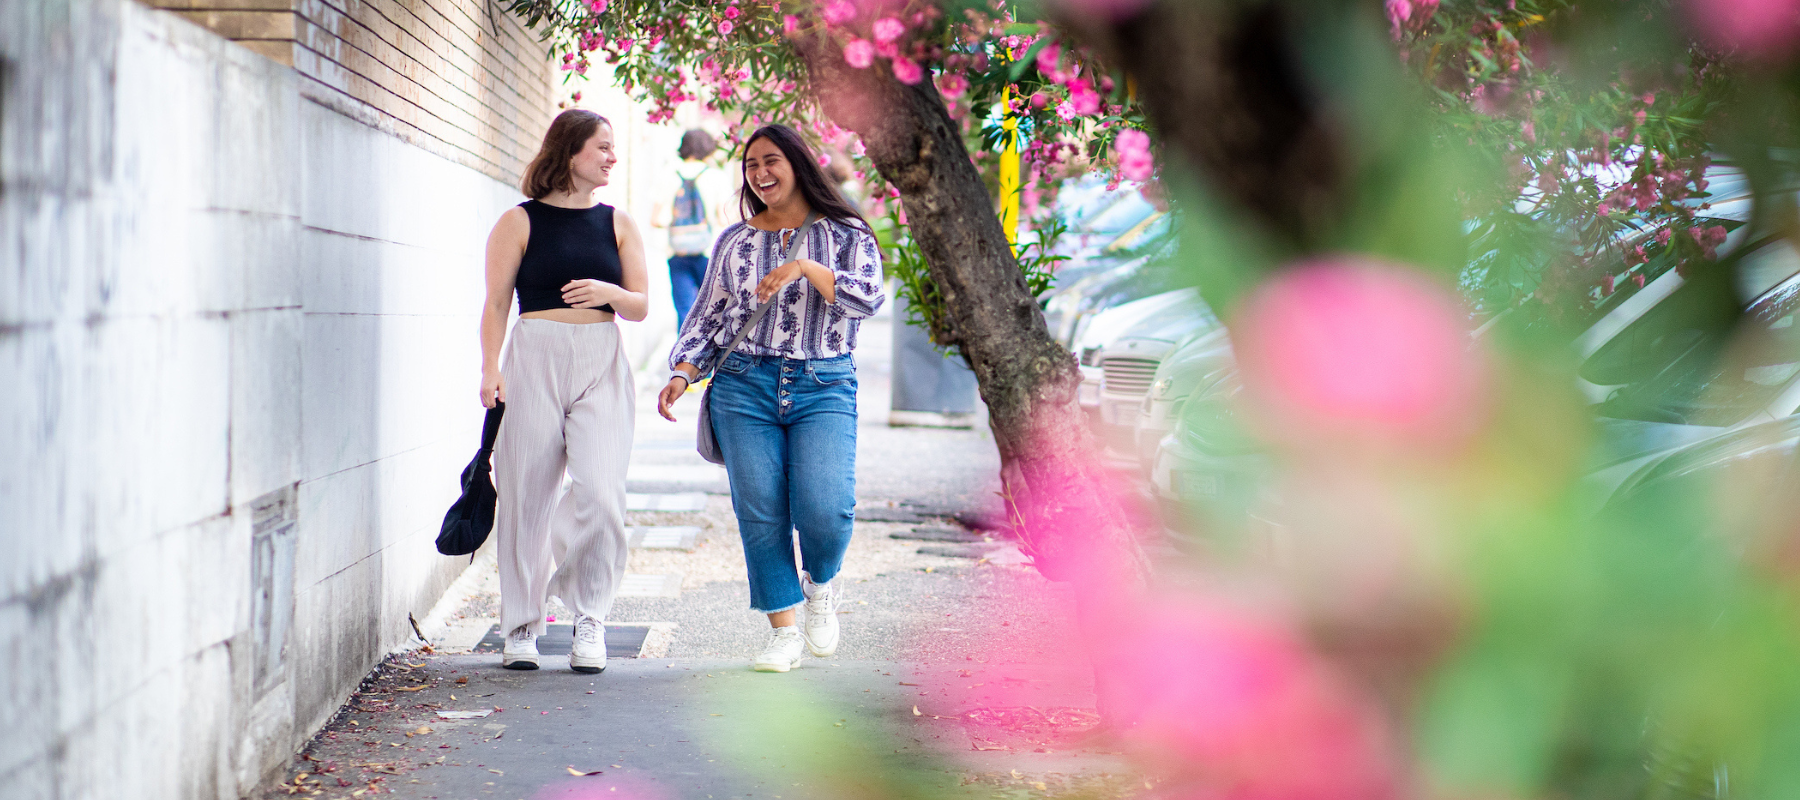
<point x="801" y="324"/>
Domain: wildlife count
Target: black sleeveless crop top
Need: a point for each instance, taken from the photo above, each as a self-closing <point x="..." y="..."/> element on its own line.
<point x="566" y="244"/>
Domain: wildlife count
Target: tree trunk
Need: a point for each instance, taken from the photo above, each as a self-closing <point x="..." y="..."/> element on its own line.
<point x="1223" y="86"/>
<point x="1050" y="467"/>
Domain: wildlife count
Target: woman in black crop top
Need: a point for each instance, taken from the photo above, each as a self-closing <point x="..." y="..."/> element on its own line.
<point x="573" y="264"/>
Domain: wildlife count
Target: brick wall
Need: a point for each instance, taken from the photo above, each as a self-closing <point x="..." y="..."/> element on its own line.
<point x="462" y="78"/>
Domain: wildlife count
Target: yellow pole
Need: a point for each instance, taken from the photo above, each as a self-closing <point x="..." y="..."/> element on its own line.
<point x="1009" y="174"/>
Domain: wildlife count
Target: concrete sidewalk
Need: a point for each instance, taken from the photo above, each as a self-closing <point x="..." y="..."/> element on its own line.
<point x="929" y="689"/>
<point x="710" y="729"/>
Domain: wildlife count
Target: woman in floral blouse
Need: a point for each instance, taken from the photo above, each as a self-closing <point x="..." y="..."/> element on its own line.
<point x="784" y="403"/>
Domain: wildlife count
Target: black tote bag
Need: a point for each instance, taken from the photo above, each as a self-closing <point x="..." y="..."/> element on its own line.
<point x="471" y="517"/>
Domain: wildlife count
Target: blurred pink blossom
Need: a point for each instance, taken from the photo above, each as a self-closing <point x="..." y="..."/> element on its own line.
<point x="789" y="24"/>
<point x="598" y="7"/>
<point x="907" y="71"/>
<point x="888" y="29"/>
<point x="1398" y="12"/>
<point x="952" y="85"/>
<point x="1048" y="58"/>
<point x="1083" y="97"/>
<point x="1066" y="111"/>
<point x="1230" y="706"/>
<point x="859" y="53"/>
<point x="1764" y="29"/>
<point x="731" y="12"/>
<point x="839" y="12"/>
<point x="1135" y="162"/>
<point x="1350" y="350"/>
<point x="725" y="27"/>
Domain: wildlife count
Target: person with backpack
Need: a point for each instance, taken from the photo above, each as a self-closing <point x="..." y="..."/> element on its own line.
<point x="691" y="219"/>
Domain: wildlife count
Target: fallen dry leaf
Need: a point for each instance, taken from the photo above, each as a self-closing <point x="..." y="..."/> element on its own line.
<point x="412" y="688"/>
<point x="916" y="711"/>
<point x="463" y="679"/>
<point x="579" y="774"/>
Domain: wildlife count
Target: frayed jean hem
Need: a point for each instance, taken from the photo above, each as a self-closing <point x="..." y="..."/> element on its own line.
<point x="779" y="610"/>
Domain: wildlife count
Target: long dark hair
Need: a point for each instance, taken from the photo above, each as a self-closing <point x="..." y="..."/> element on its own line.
<point x="819" y="193"/>
<point x="549" y="172"/>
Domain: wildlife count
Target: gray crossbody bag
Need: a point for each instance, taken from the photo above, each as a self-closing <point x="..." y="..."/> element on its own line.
<point x="704" y="441"/>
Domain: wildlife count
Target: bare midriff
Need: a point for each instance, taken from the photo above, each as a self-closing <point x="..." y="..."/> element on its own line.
<point x="573" y="316"/>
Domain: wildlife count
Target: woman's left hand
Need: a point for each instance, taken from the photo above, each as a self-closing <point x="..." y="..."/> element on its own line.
<point x="782" y="276"/>
<point x="588" y="293"/>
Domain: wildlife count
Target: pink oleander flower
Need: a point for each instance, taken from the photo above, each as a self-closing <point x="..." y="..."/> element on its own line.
<point x="1398" y="13"/>
<point x="1638" y="279"/>
<point x="725" y="27"/>
<point x="1066" y="111"/>
<point x="789" y="24"/>
<point x="952" y="85"/>
<point x="908" y="71"/>
<point x="1049" y="57"/>
<point x="1083" y="97"/>
<point x="1662" y="236"/>
<point x="731" y="12"/>
<point x="1353" y="352"/>
<point x="824" y="159"/>
<point x="598" y="7"/>
<point x="859" y="53"/>
<point x="839" y="12"/>
<point x="1232" y="706"/>
<point x="1606" y="285"/>
<point x="1133" y="149"/>
<point x="888" y="29"/>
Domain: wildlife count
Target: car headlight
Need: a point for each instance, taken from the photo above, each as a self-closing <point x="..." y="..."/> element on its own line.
<point x="1161" y="388"/>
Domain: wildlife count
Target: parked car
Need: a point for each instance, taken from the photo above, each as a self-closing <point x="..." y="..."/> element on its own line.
<point x="1201" y="358"/>
<point x="1129" y="363"/>
<point x="1120" y="321"/>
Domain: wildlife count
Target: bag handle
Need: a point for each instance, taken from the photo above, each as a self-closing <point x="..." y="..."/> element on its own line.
<point x="763" y="309"/>
<point x="490" y="430"/>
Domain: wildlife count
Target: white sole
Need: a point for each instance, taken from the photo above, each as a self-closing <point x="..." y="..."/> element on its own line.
<point x="587" y="666"/>
<point x="820" y="652"/>
<point x="519" y="662"/>
<point x="766" y="666"/>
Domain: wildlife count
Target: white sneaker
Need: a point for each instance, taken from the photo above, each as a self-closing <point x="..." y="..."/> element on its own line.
<point x="786" y="648"/>
<point x="521" y="649"/>
<point x="589" y="654"/>
<point x="821" y="617"/>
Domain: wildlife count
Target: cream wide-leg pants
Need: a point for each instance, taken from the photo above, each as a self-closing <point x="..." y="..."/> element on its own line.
<point x="570" y="405"/>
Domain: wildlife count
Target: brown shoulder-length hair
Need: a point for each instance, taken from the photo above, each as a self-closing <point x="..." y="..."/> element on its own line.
<point x="549" y="171"/>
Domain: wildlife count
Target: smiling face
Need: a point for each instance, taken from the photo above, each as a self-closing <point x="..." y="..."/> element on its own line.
<point x="594" y="162"/>
<point x="769" y="173"/>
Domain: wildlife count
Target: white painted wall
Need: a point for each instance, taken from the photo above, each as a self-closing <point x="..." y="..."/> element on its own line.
<point x="211" y="290"/>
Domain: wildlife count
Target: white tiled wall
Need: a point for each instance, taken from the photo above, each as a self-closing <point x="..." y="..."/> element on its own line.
<point x="211" y="289"/>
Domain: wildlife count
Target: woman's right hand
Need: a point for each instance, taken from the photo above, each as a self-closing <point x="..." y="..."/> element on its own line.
<point x="493" y="388"/>
<point x="670" y="393"/>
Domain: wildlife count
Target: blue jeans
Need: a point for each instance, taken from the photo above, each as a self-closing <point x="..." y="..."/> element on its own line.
<point x="685" y="275"/>
<point x="787" y="429"/>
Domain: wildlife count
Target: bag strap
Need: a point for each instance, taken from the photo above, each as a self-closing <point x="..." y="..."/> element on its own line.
<point x="490" y="428"/>
<point x="763" y="309"/>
